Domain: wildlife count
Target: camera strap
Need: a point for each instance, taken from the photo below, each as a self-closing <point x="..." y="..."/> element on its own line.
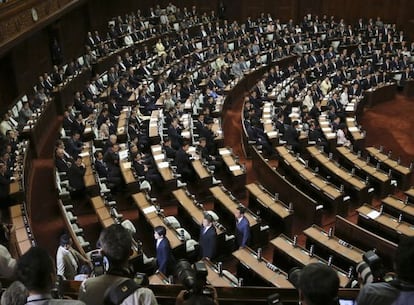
<point x="118" y="292"/>
<point x="401" y="286"/>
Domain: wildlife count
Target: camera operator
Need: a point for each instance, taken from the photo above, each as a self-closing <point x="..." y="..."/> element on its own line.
<point x="318" y="284"/>
<point x="35" y="269"/>
<point x="399" y="291"/>
<point x="196" y="292"/>
<point x="115" y="242"/>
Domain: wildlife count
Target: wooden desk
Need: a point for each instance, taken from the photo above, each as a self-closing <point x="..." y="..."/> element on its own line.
<point x="328" y="193"/>
<point x="215" y="279"/>
<point x="350" y="254"/>
<point x="384" y="224"/>
<point x="307" y="211"/>
<point x="380" y="94"/>
<point x="402" y="173"/>
<point x="102" y="212"/>
<point x="227" y="206"/>
<point x="352" y="184"/>
<point x="365" y="239"/>
<point x="410" y="193"/>
<point x="248" y="258"/>
<point x="163" y="166"/>
<point x="380" y="180"/>
<point x="396" y="207"/>
<point x="154" y="219"/>
<point x="283" y="246"/>
<point x="129" y="178"/>
<point x="274" y="211"/>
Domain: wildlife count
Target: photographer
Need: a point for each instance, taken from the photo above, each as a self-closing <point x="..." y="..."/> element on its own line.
<point x="115" y="242"/>
<point x="36" y="271"/>
<point x="399" y="291"/>
<point x="318" y="284"/>
<point x="196" y="292"/>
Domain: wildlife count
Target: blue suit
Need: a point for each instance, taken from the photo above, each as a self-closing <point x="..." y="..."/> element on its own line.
<point x="242" y="232"/>
<point x="208" y="241"/>
<point x="165" y="259"/>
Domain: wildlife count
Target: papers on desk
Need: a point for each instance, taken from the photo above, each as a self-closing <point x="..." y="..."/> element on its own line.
<point x="191" y="150"/>
<point x="373" y="214"/>
<point x="84" y="154"/>
<point x="234" y="168"/>
<point x="272" y="134"/>
<point x="156" y="148"/>
<point x="149" y="209"/>
<point x="88" y="130"/>
<point x="123" y="154"/>
<point x="159" y="157"/>
<point x="353" y="129"/>
<point x="185" y="134"/>
<point x="127" y="165"/>
<point x="120" y="129"/>
<point x="224" y="152"/>
<point x="330" y="135"/>
<point x="163" y="165"/>
<point x="326" y="129"/>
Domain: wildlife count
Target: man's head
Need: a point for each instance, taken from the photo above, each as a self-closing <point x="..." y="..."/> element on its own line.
<point x="15" y="294"/>
<point x="207" y="220"/>
<point x="318" y="285"/>
<point x="159" y="232"/>
<point x="36" y="271"/>
<point x="65" y="241"/>
<point x="404" y="260"/>
<point x="239" y="213"/>
<point x="115" y="242"/>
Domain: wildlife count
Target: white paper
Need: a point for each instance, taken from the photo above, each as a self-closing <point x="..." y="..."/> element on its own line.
<point x="234" y="168"/>
<point x="373" y="214"/>
<point x="149" y="209"/>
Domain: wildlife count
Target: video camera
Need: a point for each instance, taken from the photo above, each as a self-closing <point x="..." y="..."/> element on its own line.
<point x="194" y="279"/>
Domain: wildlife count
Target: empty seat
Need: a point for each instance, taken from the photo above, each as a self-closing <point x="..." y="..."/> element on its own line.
<point x="191" y="245"/>
<point x="183" y="233"/>
<point x="172" y="221"/>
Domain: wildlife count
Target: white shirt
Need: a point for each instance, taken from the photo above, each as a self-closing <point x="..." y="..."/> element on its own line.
<point x="7" y="263"/>
<point x="344" y="98"/>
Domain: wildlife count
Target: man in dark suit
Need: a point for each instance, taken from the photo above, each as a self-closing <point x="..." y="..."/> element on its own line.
<point x="74" y="145"/>
<point x="61" y="163"/>
<point x="165" y="259"/>
<point x="242" y="228"/>
<point x="292" y="136"/>
<point x="100" y="166"/>
<point x="75" y="176"/>
<point x="183" y="162"/>
<point x="5" y="180"/>
<point x="208" y="238"/>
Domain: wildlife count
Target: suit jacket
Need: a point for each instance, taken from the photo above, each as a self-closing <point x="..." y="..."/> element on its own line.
<point x="61" y="165"/>
<point x="101" y="169"/>
<point x="208" y="241"/>
<point x="4" y="185"/>
<point x="242" y="232"/>
<point x="165" y="259"/>
<point x="75" y="177"/>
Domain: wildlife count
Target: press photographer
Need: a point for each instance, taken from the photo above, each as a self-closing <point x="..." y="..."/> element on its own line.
<point x="194" y="280"/>
<point x="117" y="285"/>
<point x="318" y="284"/>
<point x="397" y="291"/>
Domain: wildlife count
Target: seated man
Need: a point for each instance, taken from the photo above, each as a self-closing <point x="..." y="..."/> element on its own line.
<point x="68" y="260"/>
<point x="36" y="271"/>
<point x="75" y="176"/>
<point x="183" y="162"/>
<point x="116" y="243"/>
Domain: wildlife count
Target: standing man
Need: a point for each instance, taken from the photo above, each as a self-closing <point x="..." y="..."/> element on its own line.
<point x="165" y="259"/>
<point x="68" y="260"/>
<point x="242" y="227"/>
<point x="208" y="237"/>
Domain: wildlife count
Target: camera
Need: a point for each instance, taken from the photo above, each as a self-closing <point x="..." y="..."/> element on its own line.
<point x="371" y="269"/>
<point x="194" y="278"/>
<point x="98" y="263"/>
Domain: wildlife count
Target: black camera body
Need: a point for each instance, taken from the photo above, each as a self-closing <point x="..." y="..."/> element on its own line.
<point x="194" y="279"/>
